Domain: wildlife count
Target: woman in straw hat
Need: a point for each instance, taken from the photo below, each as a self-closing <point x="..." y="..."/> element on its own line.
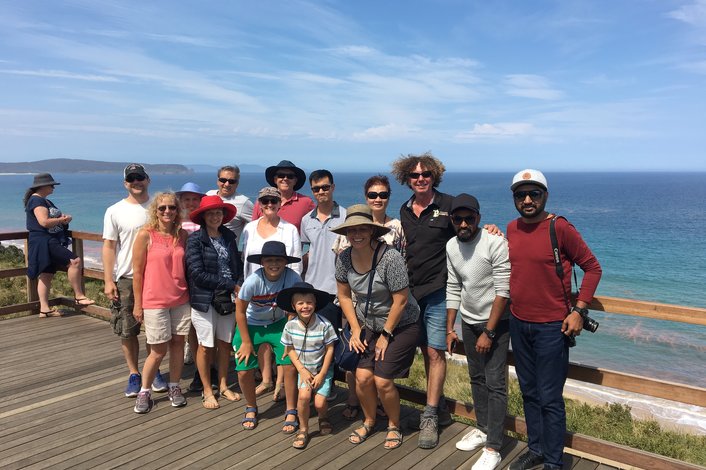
<point x="383" y="321"/>
<point x="214" y="266"/>
<point x="47" y="241"/>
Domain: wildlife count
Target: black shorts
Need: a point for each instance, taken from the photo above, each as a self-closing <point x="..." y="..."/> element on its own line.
<point x="399" y="355"/>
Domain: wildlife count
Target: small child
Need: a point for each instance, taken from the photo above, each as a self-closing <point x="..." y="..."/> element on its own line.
<point x="309" y="342"/>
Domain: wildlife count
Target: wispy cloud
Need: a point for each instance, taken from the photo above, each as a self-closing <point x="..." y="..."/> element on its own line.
<point x="693" y="13"/>
<point x="386" y="132"/>
<point x="531" y="86"/>
<point x="62" y="74"/>
<point x="497" y="130"/>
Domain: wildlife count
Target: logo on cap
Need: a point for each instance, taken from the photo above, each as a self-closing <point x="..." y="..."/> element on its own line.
<point x="526" y="175"/>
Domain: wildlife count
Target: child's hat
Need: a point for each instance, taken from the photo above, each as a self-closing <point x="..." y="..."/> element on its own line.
<point x="284" y="298"/>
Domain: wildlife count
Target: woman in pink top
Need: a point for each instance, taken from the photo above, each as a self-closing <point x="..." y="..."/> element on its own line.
<point x="161" y="294"/>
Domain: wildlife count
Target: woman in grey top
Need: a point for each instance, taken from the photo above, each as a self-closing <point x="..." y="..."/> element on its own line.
<point x="383" y="320"/>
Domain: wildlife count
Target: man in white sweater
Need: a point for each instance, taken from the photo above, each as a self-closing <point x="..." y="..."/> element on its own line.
<point x="479" y="286"/>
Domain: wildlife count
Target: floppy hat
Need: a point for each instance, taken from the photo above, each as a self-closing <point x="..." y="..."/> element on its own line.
<point x="212" y="202"/>
<point x="269" y="191"/>
<point x="285" y="165"/>
<point x="43" y="179"/>
<point x="190" y="188"/>
<point x="465" y="201"/>
<point x="529" y="176"/>
<point x="360" y="214"/>
<point x="135" y="169"/>
<point x="284" y="298"/>
<point x="270" y="249"/>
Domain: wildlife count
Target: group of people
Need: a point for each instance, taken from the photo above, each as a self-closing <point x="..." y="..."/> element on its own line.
<point x="172" y="263"/>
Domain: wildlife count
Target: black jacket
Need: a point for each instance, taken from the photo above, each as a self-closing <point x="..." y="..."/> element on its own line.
<point x="202" y="270"/>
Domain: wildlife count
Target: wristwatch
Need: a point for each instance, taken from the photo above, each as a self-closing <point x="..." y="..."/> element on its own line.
<point x="489" y="333"/>
<point x="387" y="334"/>
<point x="582" y="311"/>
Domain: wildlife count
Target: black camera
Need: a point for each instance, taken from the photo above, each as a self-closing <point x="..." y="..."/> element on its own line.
<point x="588" y="324"/>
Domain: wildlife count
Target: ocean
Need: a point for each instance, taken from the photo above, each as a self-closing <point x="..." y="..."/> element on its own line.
<point x="646" y="229"/>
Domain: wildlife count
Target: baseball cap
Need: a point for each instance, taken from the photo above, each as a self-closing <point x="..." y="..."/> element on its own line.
<point x="465" y="201"/>
<point x="135" y="169"/>
<point x="529" y="176"/>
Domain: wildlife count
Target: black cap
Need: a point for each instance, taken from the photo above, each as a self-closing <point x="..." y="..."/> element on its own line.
<point x="465" y="201"/>
<point x="135" y="169"/>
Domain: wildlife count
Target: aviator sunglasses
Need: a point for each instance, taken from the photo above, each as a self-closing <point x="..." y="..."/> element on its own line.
<point x="132" y="178"/>
<point x="228" y="180"/>
<point x="323" y="187"/>
<point x="171" y="207"/>
<point x="458" y="220"/>
<point x="268" y="200"/>
<point x="375" y="195"/>
<point x="534" y="194"/>
<point x="424" y="174"/>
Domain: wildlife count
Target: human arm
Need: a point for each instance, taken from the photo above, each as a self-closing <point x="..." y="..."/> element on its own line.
<point x="493" y="230"/>
<point x="42" y="215"/>
<point x="139" y="260"/>
<point x="246" y="349"/>
<point x="453" y="295"/>
<point x="346" y="301"/>
<point x="399" y="302"/>
<point x="484" y="342"/>
<point x="319" y="378"/>
<point x="108" y="256"/>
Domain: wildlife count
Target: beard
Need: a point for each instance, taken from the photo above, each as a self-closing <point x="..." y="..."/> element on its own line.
<point x="531" y="210"/>
<point x="466" y="234"/>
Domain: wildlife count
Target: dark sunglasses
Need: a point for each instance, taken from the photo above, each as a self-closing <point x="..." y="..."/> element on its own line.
<point x="458" y="220"/>
<point x="534" y="194"/>
<point x="289" y="176"/>
<point x="323" y="187"/>
<point x="268" y="200"/>
<point x="228" y="180"/>
<point x="165" y="207"/>
<point x="132" y="178"/>
<point x="381" y="195"/>
<point x="424" y="174"/>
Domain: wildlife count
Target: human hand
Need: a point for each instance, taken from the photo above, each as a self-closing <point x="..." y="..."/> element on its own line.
<point x="111" y="291"/>
<point x="483" y="344"/>
<point x="494" y="230"/>
<point x="572" y="324"/>
<point x="242" y="355"/>
<point x="138" y="313"/>
<point x="307" y="377"/>
<point x="356" y="344"/>
<point x="380" y="347"/>
<point x="317" y="380"/>
<point x="451" y="340"/>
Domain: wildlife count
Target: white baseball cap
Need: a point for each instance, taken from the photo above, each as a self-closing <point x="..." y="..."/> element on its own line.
<point x="529" y="176"/>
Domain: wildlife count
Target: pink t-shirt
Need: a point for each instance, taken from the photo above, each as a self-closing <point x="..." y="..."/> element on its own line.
<point x="164" y="283"/>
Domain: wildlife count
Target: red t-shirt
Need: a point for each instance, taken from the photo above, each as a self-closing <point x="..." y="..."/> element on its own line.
<point x="292" y="211"/>
<point x="535" y="288"/>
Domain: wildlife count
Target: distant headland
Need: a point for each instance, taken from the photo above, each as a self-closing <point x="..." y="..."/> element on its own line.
<point x="72" y="165"/>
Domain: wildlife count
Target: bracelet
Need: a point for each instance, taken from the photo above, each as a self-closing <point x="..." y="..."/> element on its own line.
<point x="449" y="332"/>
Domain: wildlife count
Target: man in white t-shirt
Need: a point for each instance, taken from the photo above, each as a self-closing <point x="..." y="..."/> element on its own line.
<point x="121" y="223"/>
<point x="228" y="180"/>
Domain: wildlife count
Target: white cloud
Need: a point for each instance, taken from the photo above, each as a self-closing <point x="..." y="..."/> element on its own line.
<point x="497" y="130"/>
<point x="693" y="13"/>
<point x="62" y="74"/>
<point x="385" y="132"/>
<point x="531" y="86"/>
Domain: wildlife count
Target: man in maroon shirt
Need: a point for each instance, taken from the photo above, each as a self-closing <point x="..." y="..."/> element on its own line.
<point x="543" y="319"/>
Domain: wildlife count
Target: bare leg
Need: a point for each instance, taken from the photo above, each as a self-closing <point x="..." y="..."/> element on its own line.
<point x="151" y="366"/>
<point x="203" y="364"/>
<point x="176" y="354"/>
<point x="131" y="350"/>
<point x="74" y="274"/>
<point x="304" y="409"/>
<point x="365" y="389"/>
<point x="264" y="358"/>
<point x="436" y="375"/>
<point x="290" y="388"/>
<point x="43" y="288"/>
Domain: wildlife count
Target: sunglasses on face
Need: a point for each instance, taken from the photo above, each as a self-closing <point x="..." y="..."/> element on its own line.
<point x="165" y="207"/>
<point x="458" y="220"/>
<point x="534" y="194"/>
<point x="228" y="180"/>
<point x="424" y="174"/>
<point x="375" y="195"/>
<point x="289" y="176"/>
<point x="323" y="187"/>
<point x="268" y="200"/>
<point x="133" y="178"/>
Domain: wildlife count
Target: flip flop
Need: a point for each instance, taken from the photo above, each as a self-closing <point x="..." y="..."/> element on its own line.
<point x="325" y="427"/>
<point x="351" y="412"/>
<point x="396" y="441"/>
<point x="229" y="394"/>
<point x="210" y="402"/>
<point x="264" y="387"/>
<point x="301" y="440"/>
<point x="249" y="409"/>
<point x="294" y="424"/>
<point x="84" y="302"/>
<point x="51" y="313"/>
<point x="361" y="438"/>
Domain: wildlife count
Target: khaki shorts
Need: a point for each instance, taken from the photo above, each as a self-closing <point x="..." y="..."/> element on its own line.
<point x="162" y="323"/>
<point x="121" y="319"/>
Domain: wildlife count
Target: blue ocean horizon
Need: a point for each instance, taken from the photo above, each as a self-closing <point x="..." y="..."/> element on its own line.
<point x="646" y="229"/>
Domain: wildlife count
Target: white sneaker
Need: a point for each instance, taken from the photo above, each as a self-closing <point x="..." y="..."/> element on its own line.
<point x="188" y="355"/>
<point x="489" y="460"/>
<point x="472" y="440"/>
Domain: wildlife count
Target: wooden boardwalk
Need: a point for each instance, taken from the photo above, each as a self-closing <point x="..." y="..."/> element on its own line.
<point x="62" y="406"/>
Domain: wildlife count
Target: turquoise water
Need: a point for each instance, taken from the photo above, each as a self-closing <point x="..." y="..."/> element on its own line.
<point x="645" y="228"/>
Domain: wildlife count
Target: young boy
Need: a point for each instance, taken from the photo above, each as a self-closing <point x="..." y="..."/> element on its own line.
<point x="309" y="342"/>
<point x="259" y="320"/>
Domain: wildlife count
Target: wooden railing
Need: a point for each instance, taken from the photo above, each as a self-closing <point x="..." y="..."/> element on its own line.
<point x="619" y="380"/>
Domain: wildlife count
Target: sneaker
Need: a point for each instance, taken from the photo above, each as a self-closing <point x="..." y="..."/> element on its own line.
<point x="488" y="460"/>
<point x="196" y="385"/>
<point x="143" y="404"/>
<point x="188" y="355"/>
<point x="332" y="394"/>
<point x="444" y="417"/>
<point x="428" y="432"/>
<point x="526" y="461"/>
<point x="133" y="385"/>
<point x="472" y="440"/>
<point x="159" y="384"/>
<point x="176" y="397"/>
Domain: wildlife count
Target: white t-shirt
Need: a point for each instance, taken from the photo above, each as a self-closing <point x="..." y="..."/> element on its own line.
<point x="243" y="214"/>
<point x="121" y="223"/>
<point x="252" y="244"/>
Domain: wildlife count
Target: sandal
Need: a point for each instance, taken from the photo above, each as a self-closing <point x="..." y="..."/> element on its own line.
<point x="264" y="387"/>
<point x="396" y="441"/>
<point x="361" y="438"/>
<point x="210" y="402"/>
<point x="278" y="395"/>
<point x="51" y="313"/>
<point x="301" y="440"/>
<point x="84" y="301"/>
<point x="229" y="394"/>
<point x="293" y="424"/>
<point x="351" y="412"/>
<point x="253" y="420"/>
<point x="325" y="427"/>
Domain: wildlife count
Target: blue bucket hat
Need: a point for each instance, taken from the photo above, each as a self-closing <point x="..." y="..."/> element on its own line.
<point x="190" y="188"/>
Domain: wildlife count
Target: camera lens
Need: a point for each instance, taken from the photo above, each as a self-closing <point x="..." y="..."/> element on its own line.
<point x="590" y="324"/>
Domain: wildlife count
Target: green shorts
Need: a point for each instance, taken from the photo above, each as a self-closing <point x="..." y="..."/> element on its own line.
<point x="270" y="334"/>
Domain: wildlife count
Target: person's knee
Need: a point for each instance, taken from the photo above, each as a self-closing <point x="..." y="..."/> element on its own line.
<point x="158" y="351"/>
<point x="436" y="356"/>
<point x="364" y="380"/>
<point x="75" y="263"/>
<point x="383" y="385"/>
<point x="304" y="396"/>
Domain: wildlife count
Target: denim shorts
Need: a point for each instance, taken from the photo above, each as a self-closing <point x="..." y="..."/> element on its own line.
<point x="433" y="319"/>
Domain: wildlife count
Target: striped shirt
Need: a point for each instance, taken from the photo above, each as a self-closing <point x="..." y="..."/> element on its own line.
<point x="309" y="342"/>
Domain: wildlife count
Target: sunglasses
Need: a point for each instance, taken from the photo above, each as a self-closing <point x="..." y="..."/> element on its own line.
<point x="165" y="207"/>
<point x="424" y="174"/>
<point x="458" y="220"/>
<point x="268" y="200"/>
<point x="534" y="194"/>
<point x="132" y="178"/>
<point x="289" y="176"/>
<point x="381" y="195"/>
<point x="228" y="180"/>
<point x="323" y="187"/>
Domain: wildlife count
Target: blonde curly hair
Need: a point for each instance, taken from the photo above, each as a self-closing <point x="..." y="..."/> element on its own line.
<point x="152" y="217"/>
<point x="404" y="165"/>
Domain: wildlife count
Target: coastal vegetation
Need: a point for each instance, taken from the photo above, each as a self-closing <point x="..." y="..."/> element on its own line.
<point x="610" y="422"/>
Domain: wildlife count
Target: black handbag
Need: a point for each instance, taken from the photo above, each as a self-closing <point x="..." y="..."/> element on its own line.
<point x="223" y="302"/>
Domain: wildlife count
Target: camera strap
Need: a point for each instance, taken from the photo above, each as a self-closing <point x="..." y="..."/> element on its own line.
<point x="557" y="261"/>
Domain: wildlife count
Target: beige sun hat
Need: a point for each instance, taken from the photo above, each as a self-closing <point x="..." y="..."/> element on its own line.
<point x="360" y="214"/>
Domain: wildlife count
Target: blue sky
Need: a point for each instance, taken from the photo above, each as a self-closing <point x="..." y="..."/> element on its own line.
<point x="501" y="85"/>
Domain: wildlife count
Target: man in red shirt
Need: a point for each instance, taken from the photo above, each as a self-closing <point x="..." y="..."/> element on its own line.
<point x="543" y="319"/>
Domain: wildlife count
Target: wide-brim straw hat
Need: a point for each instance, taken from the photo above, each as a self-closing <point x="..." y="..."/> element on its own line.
<point x="43" y="179"/>
<point x="271" y="171"/>
<point x="284" y="298"/>
<point x="360" y="214"/>
<point x="272" y="249"/>
<point x="212" y="202"/>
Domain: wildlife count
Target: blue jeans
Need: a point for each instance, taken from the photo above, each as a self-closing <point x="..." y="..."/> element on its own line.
<point x="541" y="353"/>
<point x="488" y="374"/>
<point x="432" y="316"/>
